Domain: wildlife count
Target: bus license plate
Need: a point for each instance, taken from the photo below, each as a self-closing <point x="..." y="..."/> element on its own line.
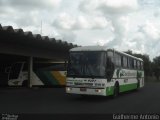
<point x="83" y="89"/>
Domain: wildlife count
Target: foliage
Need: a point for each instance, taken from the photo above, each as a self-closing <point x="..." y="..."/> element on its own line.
<point x="156" y="67"/>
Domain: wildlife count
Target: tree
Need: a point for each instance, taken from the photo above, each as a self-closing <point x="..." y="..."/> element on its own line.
<point x="129" y="52"/>
<point x="156" y="67"/>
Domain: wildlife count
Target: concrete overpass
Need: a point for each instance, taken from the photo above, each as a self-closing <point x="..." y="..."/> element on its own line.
<point x="18" y="45"/>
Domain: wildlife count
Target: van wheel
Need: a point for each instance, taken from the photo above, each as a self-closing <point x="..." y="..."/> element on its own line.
<point x="116" y="90"/>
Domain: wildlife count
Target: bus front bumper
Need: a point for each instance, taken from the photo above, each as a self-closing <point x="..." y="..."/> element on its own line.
<point x="86" y="91"/>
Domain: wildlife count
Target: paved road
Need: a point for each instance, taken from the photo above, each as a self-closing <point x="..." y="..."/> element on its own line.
<point x="54" y="100"/>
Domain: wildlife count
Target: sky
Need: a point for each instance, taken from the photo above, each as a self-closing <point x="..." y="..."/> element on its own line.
<point x="119" y="24"/>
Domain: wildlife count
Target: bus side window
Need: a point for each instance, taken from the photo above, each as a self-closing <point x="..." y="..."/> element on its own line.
<point x="129" y="63"/>
<point x="122" y="61"/>
<point x="135" y="64"/>
<point x="110" y="55"/>
<point x="132" y="63"/>
<point x="117" y="60"/>
<point x="125" y="61"/>
<point x="141" y="65"/>
<point x="138" y="65"/>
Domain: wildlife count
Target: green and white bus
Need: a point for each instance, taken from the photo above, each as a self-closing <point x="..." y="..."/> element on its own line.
<point x="44" y="74"/>
<point x="97" y="70"/>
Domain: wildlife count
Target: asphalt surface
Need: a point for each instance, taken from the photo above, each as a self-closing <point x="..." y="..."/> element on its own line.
<point x="54" y="100"/>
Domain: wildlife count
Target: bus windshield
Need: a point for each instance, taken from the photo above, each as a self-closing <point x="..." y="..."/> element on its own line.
<point x="86" y="64"/>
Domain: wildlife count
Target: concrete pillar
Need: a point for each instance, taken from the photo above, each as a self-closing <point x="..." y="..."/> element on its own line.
<point x="30" y="70"/>
<point x="66" y="68"/>
<point x="65" y="64"/>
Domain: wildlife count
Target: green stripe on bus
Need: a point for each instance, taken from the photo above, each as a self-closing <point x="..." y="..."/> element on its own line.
<point x="47" y="78"/>
<point x="122" y="88"/>
<point x="109" y="90"/>
<point x="42" y="77"/>
<point x="51" y="78"/>
<point x="127" y="87"/>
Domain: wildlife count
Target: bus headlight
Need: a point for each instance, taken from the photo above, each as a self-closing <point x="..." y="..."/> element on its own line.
<point x="98" y="90"/>
<point x="68" y="89"/>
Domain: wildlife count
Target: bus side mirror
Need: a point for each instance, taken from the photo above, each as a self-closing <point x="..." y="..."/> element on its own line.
<point x="108" y="63"/>
<point x="109" y="69"/>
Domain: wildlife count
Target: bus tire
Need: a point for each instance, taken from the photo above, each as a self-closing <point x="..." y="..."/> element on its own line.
<point x="116" y="90"/>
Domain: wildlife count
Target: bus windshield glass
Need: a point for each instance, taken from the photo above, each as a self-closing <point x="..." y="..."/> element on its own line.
<point x="86" y="64"/>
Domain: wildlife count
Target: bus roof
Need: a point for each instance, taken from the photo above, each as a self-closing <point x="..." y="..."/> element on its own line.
<point x="89" y="48"/>
<point x="100" y="48"/>
<point x="123" y="53"/>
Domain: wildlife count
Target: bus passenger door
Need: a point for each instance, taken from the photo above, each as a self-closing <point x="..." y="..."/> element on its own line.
<point x="109" y="69"/>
